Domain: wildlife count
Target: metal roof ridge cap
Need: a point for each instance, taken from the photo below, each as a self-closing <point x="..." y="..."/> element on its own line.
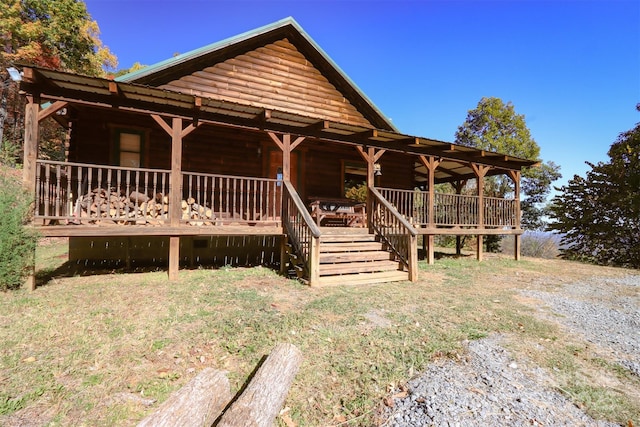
<point x="169" y="62"/>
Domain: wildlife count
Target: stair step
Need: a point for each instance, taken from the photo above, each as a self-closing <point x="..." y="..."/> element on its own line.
<point x="358" y="267"/>
<point x="354" y="257"/>
<point x="364" y="278"/>
<point x="348" y="238"/>
<point x="350" y="246"/>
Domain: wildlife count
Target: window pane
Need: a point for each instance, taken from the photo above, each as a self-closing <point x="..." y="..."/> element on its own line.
<point x="130" y="142"/>
<point x="130" y="160"/>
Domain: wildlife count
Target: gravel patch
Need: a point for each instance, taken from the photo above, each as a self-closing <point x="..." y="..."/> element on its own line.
<point x="487" y="387"/>
<point x="605" y="312"/>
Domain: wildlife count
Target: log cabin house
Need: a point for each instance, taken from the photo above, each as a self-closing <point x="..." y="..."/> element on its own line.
<point x="239" y="153"/>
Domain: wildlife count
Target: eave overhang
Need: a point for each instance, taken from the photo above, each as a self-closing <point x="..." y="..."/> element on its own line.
<point x="50" y="85"/>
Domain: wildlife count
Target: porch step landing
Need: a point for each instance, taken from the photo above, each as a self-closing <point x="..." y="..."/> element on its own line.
<point x="352" y="256"/>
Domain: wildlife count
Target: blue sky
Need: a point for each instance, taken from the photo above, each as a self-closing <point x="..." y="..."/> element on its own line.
<point x="571" y="67"/>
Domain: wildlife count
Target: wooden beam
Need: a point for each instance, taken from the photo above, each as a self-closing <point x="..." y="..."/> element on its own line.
<point x="162" y="124"/>
<point x="113" y="88"/>
<point x="322" y="125"/>
<point x="378" y="154"/>
<point x="363" y="154"/>
<point x="297" y="142"/>
<point x="51" y="109"/>
<point x="186" y="131"/>
<point x="276" y="140"/>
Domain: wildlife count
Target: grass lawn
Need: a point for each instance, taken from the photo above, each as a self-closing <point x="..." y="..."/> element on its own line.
<point x="106" y="349"/>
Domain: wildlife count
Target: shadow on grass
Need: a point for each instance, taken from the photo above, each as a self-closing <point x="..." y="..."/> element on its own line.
<point x="81" y="269"/>
<point x="422" y="255"/>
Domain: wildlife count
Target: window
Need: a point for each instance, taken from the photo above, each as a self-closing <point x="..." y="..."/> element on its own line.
<point x="129" y="145"/>
<point x="130" y="149"/>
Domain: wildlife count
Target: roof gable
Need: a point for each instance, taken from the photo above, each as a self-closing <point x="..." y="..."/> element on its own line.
<point x="276" y="67"/>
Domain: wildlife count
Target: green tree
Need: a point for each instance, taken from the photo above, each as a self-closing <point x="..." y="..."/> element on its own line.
<point x="495" y="126"/>
<point x="599" y="215"/>
<point x="58" y="34"/>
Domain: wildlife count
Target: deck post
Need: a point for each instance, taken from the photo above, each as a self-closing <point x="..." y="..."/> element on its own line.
<point x="431" y="259"/>
<point x="515" y="176"/>
<point x="413" y="258"/>
<point x="314" y="261"/>
<point x="175" y="196"/>
<point x="174" y="257"/>
<point x="459" y="186"/>
<point x="431" y="163"/>
<point x="480" y="171"/>
<point x="31" y="137"/>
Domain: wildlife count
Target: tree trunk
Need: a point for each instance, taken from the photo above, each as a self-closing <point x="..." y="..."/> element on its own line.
<point x="263" y="398"/>
<point x="197" y="403"/>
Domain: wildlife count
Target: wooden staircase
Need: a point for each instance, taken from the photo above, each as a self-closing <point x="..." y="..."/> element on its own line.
<point x="352" y="256"/>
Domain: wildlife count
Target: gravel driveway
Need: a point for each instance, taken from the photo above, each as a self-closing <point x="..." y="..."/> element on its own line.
<point x="489" y="387"/>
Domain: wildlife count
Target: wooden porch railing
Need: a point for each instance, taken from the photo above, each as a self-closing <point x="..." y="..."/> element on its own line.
<point x="224" y="199"/>
<point x="76" y="192"/>
<point x="452" y="209"/>
<point x="303" y="232"/>
<point x="88" y="194"/>
<point x="395" y="231"/>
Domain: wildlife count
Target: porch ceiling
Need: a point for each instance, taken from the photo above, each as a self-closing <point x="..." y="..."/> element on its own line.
<point x="76" y="89"/>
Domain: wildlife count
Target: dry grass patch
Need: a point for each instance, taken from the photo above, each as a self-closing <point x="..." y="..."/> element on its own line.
<point x="106" y="349"/>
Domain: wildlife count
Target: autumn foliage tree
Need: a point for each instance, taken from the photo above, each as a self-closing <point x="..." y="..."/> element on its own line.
<point x="495" y="126"/>
<point x="599" y="215"/>
<point x="57" y="34"/>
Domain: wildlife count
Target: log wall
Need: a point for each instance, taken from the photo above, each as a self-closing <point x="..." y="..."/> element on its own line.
<point x="274" y="76"/>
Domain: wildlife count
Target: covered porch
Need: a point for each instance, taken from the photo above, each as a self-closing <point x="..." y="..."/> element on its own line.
<point x="85" y="199"/>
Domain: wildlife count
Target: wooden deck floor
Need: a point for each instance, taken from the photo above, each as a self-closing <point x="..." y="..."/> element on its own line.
<point x="133" y="230"/>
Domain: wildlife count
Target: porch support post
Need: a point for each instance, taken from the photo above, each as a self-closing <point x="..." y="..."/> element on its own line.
<point x="371" y="157"/>
<point x="515" y="177"/>
<point x="431" y="163"/>
<point x="287" y="146"/>
<point x="175" y="197"/>
<point x="31" y="137"/>
<point x="459" y="186"/>
<point x="480" y="171"/>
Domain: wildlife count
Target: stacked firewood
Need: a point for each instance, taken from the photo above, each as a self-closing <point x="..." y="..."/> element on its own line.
<point x="136" y="207"/>
<point x="197" y="214"/>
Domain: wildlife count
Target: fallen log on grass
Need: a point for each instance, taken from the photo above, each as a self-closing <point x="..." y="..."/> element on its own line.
<point x="262" y="399"/>
<point x="200" y="402"/>
<point x="197" y="403"/>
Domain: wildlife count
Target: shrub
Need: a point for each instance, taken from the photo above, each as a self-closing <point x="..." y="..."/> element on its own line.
<point x="17" y="243"/>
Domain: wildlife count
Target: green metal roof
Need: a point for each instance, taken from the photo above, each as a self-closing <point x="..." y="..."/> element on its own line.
<point x="196" y="53"/>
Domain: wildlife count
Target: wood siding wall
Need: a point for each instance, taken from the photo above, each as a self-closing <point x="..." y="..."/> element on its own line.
<point x="275" y="76"/>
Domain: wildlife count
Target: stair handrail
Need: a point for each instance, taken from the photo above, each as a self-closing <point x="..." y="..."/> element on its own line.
<point x="395" y="231"/>
<point x="302" y="230"/>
